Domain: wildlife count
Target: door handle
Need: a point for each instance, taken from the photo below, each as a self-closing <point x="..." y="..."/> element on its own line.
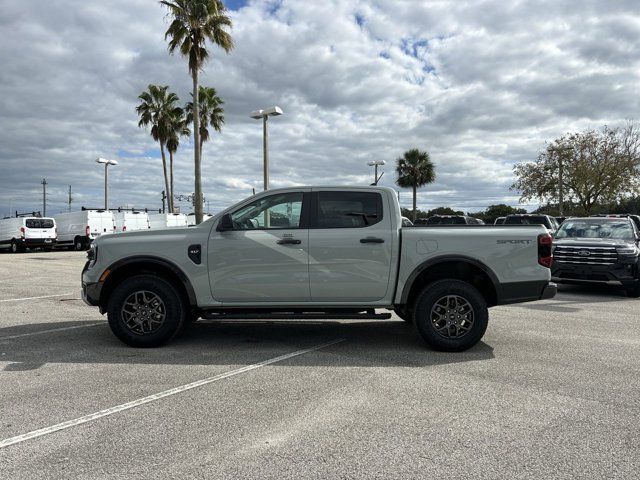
<point x="371" y="240"/>
<point x="289" y="241"/>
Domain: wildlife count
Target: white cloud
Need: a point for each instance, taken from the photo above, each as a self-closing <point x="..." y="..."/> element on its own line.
<point x="480" y="85"/>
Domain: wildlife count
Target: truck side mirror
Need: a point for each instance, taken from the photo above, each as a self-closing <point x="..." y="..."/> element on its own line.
<point x="225" y="223"/>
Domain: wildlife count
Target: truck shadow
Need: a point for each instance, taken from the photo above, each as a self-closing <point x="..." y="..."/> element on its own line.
<point x="366" y="344"/>
<point x="576" y="298"/>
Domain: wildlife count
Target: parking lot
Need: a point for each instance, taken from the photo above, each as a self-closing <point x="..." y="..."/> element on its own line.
<point x="551" y="392"/>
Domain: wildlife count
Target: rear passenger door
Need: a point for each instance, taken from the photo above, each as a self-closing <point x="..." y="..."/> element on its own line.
<point x="350" y="246"/>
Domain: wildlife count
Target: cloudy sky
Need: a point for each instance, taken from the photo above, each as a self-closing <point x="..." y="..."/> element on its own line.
<point x="480" y="85"/>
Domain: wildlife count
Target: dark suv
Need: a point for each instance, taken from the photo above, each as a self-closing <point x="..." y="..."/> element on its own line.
<point x="532" y="219"/>
<point x="635" y="218"/>
<point x="600" y="250"/>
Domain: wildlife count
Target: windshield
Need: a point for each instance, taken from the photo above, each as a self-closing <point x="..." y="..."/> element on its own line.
<point x="620" y="230"/>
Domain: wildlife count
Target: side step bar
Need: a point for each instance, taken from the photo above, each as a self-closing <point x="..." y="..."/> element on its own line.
<point x="295" y="316"/>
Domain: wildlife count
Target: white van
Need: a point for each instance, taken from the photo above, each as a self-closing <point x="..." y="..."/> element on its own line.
<point x="129" y="221"/>
<point x="79" y="229"/>
<point x="167" y="220"/>
<point x="191" y="218"/>
<point x="20" y="233"/>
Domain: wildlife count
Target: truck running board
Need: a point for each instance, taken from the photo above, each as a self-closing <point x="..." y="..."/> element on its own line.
<point x="295" y="316"/>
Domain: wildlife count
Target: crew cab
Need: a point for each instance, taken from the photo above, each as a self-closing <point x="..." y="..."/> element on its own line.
<point x="598" y="250"/>
<point x="316" y="252"/>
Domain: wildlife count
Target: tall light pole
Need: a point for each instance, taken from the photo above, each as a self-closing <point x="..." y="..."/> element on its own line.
<point x="560" y="151"/>
<point x="264" y="115"/>
<point x="375" y="164"/>
<point x="106" y="178"/>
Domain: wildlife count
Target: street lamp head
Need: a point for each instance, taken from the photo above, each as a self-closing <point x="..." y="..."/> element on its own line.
<point x="267" y="112"/>
<point x="106" y="162"/>
<point x="376" y="162"/>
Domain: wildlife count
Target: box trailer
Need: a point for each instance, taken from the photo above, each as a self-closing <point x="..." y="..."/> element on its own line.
<point x="129" y="221"/>
<point x="191" y="218"/>
<point x="22" y="232"/>
<point x="78" y="229"/>
<point x="167" y="220"/>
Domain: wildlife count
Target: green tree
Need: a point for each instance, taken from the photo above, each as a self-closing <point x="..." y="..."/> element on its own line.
<point x="211" y="113"/>
<point x="414" y="170"/>
<point x="177" y="127"/>
<point x="193" y="23"/>
<point x="156" y="109"/>
<point x="599" y="167"/>
<point x="443" y="211"/>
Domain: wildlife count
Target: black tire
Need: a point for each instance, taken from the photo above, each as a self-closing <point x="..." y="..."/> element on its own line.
<point x="79" y="244"/>
<point x="470" y="301"/>
<point x="634" y="292"/>
<point x="174" y="308"/>
<point x="404" y="314"/>
<point x="16" y="247"/>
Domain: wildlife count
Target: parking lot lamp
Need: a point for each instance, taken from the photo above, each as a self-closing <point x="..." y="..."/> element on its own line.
<point x="375" y="164"/>
<point x="106" y="178"/>
<point x="264" y="115"/>
<point x="560" y="151"/>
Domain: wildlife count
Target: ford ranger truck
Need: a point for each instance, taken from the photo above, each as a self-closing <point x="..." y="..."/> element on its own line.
<point x="598" y="250"/>
<point x="316" y="252"/>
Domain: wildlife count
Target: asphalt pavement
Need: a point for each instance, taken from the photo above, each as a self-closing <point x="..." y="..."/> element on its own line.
<point x="553" y="391"/>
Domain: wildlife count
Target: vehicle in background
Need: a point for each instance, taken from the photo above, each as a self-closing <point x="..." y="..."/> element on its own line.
<point x="406" y="222"/>
<point x="167" y="220"/>
<point x="598" y="250"/>
<point x="453" y="220"/>
<point x="78" y="229"/>
<point x="499" y="221"/>
<point x="334" y="252"/>
<point x="27" y="231"/>
<point x="191" y="218"/>
<point x="131" y="220"/>
<point x="532" y="219"/>
<point x="560" y="220"/>
<point x="634" y="218"/>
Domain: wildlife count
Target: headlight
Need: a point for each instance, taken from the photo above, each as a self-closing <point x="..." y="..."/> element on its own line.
<point x="627" y="250"/>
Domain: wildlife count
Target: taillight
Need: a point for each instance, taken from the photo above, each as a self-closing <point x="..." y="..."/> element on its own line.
<point x="124" y="228"/>
<point x="114" y="228"/>
<point x="87" y="230"/>
<point x="22" y="231"/>
<point x="545" y="250"/>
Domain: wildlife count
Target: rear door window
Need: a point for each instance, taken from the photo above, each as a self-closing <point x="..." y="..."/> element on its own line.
<point x="348" y="209"/>
<point x="38" y="223"/>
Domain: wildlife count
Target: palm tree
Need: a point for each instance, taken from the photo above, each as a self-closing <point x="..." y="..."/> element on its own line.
<point x="414" y="169"/>
<point x="155" y="109"/>
<point x="177" y="127"/>
<point x="194" y="22"/>
<point x="211" y="113"/>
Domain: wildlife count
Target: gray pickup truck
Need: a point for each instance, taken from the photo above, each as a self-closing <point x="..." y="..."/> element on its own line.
<point x="316" y="252"/>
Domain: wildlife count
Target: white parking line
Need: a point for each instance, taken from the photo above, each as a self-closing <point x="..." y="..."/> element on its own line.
<point x="157" y="396"/>
<point x="34" y="298"/>
<point x="40" y="332"/>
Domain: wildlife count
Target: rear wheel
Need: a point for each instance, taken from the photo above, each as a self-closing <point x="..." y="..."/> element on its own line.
<point x="78" y="244"/>
<point x="16" y="247"/>
<point x="146" y="311"/>
<point x="634" y="292"/>
<point x="451" y="315"/>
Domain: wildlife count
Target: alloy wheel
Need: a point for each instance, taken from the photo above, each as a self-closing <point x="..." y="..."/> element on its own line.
<point x="452" y="316"/>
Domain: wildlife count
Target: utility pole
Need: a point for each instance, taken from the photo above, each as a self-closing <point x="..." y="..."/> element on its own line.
<point x="70" y="198"/>
<point x="44" y="197"/>
<point x="560" y="151"/>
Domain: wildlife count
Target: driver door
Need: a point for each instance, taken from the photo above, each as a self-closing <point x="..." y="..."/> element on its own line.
<point x="265" y="258"/>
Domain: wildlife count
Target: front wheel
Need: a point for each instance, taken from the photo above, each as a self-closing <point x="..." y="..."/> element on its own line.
<point x="146" y="311"/>
<point x="78" y="244"/>
<point x="634" y="292"/>
<point x="451" y="315"/>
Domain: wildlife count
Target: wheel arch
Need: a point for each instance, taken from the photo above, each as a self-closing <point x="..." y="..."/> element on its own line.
<point x="146" y="264"/>
<point x="457" y="267"/>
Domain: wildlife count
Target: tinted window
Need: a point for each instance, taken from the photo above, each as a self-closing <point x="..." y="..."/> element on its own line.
<point x="275" y="211"/>
<point x="529" y="220"/>
<point x="348" y="209"/>
<point x="38" y="223"/>
<point x="446" y="221"/>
